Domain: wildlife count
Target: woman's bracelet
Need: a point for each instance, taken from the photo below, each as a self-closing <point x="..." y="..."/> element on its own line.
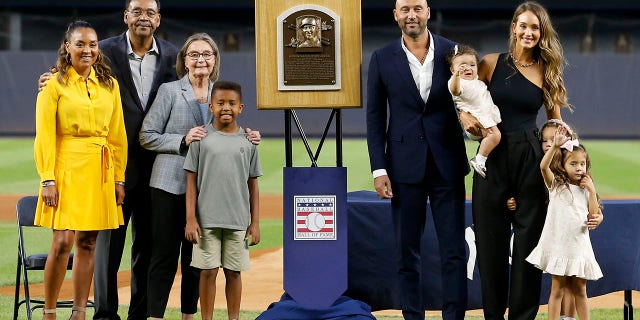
<point x="48" y="183"/>
<point x="120" y="183"/>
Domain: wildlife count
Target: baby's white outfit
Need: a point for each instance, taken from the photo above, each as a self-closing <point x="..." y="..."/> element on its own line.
<point x="476" y="99"/>
<point x="565" y="248"/>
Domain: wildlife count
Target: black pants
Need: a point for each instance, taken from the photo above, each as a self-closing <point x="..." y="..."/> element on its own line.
<point x="513" y="170"/>
<point x="108" y="255"/>
<point x="169" y="245"/>
<point x="409" y="208"/>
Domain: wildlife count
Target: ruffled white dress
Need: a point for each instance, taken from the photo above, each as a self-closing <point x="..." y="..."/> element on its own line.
<point x="565" y="248"/>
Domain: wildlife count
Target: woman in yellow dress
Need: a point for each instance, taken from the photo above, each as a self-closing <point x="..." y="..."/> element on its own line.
<point x="80" y="152"/>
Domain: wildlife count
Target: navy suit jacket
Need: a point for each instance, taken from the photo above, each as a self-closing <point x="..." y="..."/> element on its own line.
<point x="400" y="136"/>
<point x="139" y="160"/>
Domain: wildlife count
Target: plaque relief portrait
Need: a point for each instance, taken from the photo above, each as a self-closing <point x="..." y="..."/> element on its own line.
<point x="309" y="32"/>
<point x="308" y="52"/>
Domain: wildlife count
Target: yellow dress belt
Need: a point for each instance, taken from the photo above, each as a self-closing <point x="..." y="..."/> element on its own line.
<point x="91" y="144"/>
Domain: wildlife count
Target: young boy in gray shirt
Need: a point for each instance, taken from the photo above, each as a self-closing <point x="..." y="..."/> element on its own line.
<point x="222" y="199"/>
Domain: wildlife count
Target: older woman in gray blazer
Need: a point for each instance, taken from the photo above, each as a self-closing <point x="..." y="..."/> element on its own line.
<point x="177" y="117"/>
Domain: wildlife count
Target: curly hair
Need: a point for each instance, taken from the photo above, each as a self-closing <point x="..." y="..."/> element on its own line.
<point x="181" y="68"/>
<point x="549" y="53"/>
<point x="101" y="66"/>
<point x="227" y="85"/>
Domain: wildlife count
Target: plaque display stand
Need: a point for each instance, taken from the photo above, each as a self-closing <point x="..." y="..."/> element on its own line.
<point x="315" y="234"/>
<point x="309" y="56"/>
<point x="291" y="115"/>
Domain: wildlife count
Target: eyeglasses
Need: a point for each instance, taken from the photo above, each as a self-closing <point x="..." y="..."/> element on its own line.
<point x="149" y="13"/>
<point x="207" y="55"/>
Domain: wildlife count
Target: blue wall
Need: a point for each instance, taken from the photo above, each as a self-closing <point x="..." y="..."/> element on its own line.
<point x="601" y="87"/>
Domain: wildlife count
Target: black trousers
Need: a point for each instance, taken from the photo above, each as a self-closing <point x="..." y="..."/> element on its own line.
<point x="513" y="170"/>
<point x="169" y="245"/>
<point x="409" y="208"/>
<point x="108" y="255"/>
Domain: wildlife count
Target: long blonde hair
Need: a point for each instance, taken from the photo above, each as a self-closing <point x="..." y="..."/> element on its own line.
<point x="101" y="66"/>
<point x="549" y="53"/>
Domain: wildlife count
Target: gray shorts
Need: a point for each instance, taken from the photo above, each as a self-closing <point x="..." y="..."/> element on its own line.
<point x="224" y="248"/>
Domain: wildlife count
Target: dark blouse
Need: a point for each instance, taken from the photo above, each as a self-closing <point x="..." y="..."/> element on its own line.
<point x="518" y="99"/>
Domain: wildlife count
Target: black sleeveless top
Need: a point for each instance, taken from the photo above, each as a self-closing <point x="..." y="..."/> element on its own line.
<point x="518" y="99"/>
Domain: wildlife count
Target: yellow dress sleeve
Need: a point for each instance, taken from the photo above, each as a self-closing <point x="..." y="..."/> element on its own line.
<point x="117" y="136"/>
<point x="44" y="149"/>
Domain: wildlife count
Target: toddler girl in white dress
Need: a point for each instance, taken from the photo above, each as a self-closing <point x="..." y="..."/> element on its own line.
<point x="564" y="249"/>
<point x="470" y="94"/>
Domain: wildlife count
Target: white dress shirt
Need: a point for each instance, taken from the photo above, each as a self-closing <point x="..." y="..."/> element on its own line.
<point x="422" y="74"/>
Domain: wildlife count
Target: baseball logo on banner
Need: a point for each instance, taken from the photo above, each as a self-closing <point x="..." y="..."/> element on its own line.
<point x="315" y="217"/>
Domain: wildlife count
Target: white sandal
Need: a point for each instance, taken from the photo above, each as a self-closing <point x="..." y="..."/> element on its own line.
<point x="48" y="311"/>
<point x="77" y="309"/>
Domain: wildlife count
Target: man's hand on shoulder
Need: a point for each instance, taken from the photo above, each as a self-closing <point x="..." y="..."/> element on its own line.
<point x="42" y="81"/>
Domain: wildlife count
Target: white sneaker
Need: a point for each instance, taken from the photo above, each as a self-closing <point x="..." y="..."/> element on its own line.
<point x="478" y="167"/>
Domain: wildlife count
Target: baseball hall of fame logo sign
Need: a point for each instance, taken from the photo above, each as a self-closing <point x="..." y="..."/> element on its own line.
<point x="315" y="217"/>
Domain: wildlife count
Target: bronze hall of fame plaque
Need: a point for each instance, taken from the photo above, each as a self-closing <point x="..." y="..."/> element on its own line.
<point x="308" y="49"/>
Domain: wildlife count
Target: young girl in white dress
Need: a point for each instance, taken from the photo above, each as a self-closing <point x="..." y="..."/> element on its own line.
<point x="564" y="249"/>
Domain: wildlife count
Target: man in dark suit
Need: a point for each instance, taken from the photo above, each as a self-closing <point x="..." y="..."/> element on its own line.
<point x="141" y="63"/>
<point x="417" y="153"/>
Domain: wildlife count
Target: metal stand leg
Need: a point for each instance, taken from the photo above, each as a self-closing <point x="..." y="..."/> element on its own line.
<point x="628" y="306"/>
<point x="290" y="116"/>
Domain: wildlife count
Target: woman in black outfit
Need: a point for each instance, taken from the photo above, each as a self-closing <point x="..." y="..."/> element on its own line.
<point x="521" y="82"/>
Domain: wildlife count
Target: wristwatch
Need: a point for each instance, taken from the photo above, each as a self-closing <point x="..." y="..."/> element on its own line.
<point x="48" y="183"/>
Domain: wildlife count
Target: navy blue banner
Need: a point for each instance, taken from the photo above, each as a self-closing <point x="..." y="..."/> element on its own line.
<point x="315" y="235"/>
<point x="372" y="268"/>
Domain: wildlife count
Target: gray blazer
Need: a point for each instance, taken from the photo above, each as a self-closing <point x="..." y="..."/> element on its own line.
<point x="173" y="113"/>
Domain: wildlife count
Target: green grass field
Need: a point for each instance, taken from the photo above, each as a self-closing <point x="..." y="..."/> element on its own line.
<point x="615" y="170"/>
<point x="615" y="165"/>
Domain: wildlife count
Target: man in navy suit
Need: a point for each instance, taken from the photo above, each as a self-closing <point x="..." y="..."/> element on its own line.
<point x="417" y="154"/>
<point x="141" y="63"/>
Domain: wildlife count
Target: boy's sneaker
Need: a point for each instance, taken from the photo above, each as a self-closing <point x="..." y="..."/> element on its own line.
<point x="478" y="167"/>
